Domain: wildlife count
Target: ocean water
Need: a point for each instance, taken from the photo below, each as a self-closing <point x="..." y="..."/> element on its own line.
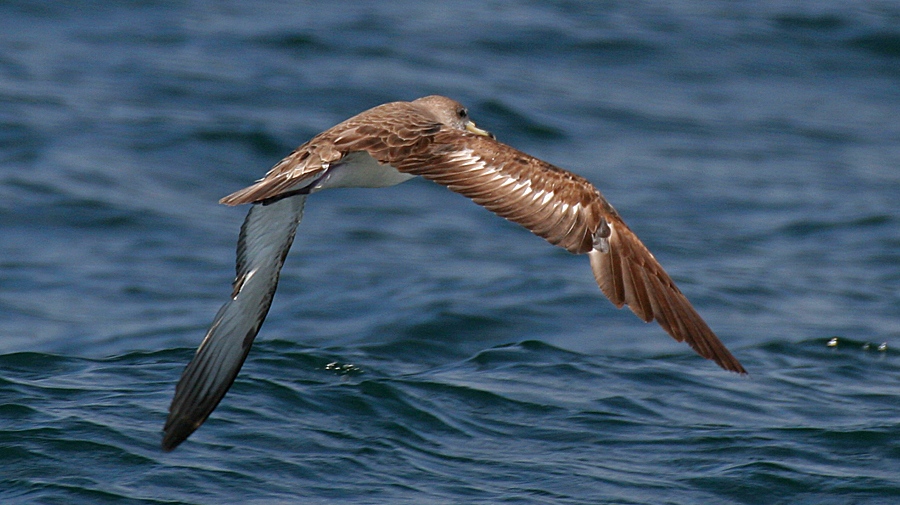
<point x="421" y="350"/>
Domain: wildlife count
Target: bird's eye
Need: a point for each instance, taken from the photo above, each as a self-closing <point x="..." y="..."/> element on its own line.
<point x="463" y="113"/>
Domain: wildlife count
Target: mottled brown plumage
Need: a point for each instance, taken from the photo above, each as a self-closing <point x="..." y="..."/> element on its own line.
<point x="430" y="137"/>
<point x="555" y="204"/>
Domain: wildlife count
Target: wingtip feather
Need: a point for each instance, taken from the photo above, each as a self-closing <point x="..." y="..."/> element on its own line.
<point x="652" y="295"/>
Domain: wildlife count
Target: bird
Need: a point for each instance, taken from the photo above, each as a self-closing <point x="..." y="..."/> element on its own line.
<point x="432" y="137"/>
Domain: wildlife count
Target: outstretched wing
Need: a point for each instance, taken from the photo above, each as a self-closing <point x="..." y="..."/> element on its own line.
<point x="266" y="237"/>
<point x="567" y="211"/>
<point x="555" y="204"/>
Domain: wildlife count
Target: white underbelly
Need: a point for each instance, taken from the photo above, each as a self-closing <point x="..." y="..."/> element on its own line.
<point x="359" y="170"/>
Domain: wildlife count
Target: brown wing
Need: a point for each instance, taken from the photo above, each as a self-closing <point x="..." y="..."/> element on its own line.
<point x="554" y="204"/>
<point x="568" y="211"/>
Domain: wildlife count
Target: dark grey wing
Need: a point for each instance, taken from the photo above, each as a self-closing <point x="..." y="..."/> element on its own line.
<point x="266" y="237"/>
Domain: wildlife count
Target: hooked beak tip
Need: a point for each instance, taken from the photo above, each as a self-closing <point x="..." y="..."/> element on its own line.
<point x="471" y="128"/>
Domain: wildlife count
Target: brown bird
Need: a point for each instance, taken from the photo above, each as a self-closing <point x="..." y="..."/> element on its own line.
<point x="431" y="137"/>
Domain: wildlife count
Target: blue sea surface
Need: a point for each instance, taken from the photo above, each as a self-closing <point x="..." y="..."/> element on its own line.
<point x="421" y="350"/>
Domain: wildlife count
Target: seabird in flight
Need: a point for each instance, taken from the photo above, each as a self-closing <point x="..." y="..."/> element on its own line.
<point x="431" y="137"/>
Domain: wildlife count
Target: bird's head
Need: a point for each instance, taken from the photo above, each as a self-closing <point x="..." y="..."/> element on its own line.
<point x="451" y="113"/>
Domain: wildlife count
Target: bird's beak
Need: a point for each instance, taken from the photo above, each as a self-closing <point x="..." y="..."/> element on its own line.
<point x="471" y="128"/>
